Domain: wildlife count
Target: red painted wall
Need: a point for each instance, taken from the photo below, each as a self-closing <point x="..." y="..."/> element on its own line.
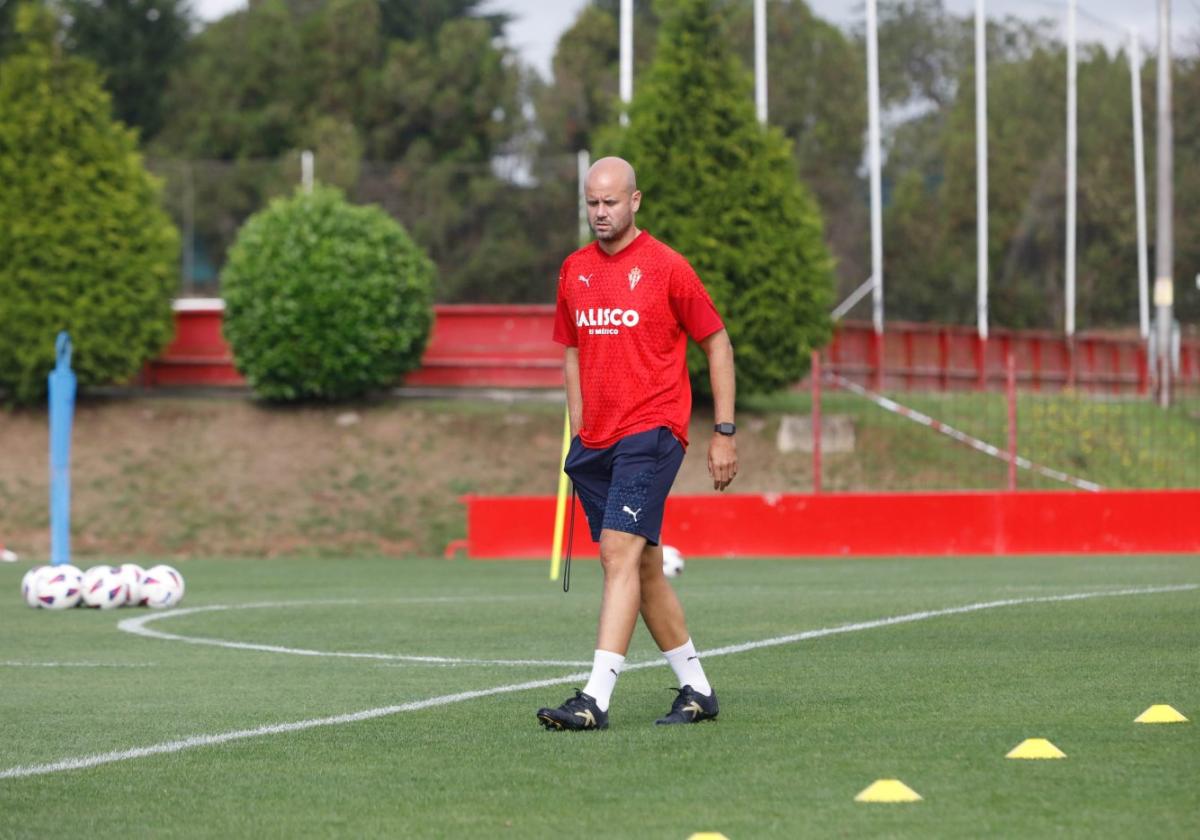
<point x="870" y="524"/>
<point x="198" y="355"/>
<point x="507" y="346"/>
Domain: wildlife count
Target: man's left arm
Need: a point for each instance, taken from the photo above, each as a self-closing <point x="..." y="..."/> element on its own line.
<point x="722" y="449"/>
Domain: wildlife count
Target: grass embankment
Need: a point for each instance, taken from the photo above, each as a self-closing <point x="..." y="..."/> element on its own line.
<point x="185" y="476"/>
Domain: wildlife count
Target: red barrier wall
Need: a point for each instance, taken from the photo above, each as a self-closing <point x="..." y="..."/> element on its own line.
<point x="491" y="346"/>
<point x="869" y="524"/>
<point x="198" y="355"/>
<point x="509" y="346"/>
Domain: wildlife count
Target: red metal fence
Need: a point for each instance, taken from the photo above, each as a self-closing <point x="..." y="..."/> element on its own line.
<point x="509" y="346"/>
<point x="937" y="357"/>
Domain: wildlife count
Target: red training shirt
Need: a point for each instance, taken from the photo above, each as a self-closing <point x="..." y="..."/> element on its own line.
<point x="630" y="315"/>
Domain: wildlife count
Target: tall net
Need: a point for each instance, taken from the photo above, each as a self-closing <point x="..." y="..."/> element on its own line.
<point x="963" y="440"/>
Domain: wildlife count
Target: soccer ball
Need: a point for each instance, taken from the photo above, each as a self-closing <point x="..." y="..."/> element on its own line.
<point x="104" y="587"/>
<point x="58" y="587"/>
<point x="133" y="574"/>
<point x="672" y="561"/>
<point x="29" y="586"/>
<point x="162" y="587"/>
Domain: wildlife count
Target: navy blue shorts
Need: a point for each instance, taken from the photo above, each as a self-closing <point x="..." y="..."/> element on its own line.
<point x="624" y="487"/>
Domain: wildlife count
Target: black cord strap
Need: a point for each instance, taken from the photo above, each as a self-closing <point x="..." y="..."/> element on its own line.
<point x="570" y="543"/>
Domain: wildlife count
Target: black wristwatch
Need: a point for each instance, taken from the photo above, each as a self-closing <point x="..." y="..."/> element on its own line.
<point x="727" y="429"/>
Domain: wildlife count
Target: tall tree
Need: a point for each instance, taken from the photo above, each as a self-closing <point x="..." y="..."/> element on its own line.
<point x="454" y="98"/>
<point x="137" y="44"/>
<point x="413" y="20"/>
<point x="285" y="75"/>
<point x="84" y="243"/>
<point x="242" y="92"/>
<point x="1187" y="180"/>
<point x="923" y="52"/>
<point x="724" y="191"/>
<point x="817" y="95"/>
<point x="584" y="95"/>
<point x="8" y="34"/>
<point x="1026" y="141"/>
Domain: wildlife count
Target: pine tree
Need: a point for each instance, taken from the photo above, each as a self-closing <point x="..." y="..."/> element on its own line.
<point x="84" y="244"/>
<point x="723" y="190"/>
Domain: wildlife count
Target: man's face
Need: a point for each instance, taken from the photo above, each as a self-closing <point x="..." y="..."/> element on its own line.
<point x="611" y="206"/>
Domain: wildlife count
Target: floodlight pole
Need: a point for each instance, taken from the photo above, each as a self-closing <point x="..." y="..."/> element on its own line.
<point x="981" y="169"/>
<point x="626" y="30"/>
<point x="583" y="162"/>
<point x="1072" y="162"/>
<point x="306" y="170"/>
<point x="760" y="59"/>
<point x="1139" y="177"/>
<point x="875" y="164"/>
<point x="1164" y="288"/>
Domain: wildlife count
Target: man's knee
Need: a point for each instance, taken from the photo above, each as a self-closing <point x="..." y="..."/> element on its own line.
<point x="619" y="551"/>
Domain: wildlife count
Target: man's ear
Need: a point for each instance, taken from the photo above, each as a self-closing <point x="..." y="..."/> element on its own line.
<point x="635" y="200"/>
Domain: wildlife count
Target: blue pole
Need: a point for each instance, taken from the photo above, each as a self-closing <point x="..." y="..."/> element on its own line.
<point x="62" y="412"/>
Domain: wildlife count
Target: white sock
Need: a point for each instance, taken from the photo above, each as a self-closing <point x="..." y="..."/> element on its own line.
<point x="606" y="665"/>
<point x="687" y="668"/>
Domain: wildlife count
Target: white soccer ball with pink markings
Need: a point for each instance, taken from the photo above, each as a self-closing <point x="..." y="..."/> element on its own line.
<point x="58" y="587"/>
<point x="162" y="587"/>
<point x="672" y="561"/>
<point x="133" y="574"/>
<point x="104" y="588"/>
<point x="29" y="586"/>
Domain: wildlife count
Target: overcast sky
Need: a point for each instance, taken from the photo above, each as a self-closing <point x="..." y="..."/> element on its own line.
<point x="537" y="24"/>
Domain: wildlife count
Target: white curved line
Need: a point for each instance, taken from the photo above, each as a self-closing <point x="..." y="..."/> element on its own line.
<point x="84" y="762"/>
<point x="14" y="664"/>
<point x="137" y="626"/>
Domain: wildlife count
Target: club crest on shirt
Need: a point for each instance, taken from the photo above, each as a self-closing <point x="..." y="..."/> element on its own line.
<point x="635" y="274"/>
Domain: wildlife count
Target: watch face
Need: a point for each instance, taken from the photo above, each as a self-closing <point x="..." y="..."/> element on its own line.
<point x="725" y="428"/>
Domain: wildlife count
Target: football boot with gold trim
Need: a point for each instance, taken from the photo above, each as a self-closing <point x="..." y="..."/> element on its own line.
<point x="578" y="713"/>
<point x="690" y="706"/>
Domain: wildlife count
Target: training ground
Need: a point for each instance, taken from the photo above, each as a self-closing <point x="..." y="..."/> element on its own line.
<point x="360" y="697"/>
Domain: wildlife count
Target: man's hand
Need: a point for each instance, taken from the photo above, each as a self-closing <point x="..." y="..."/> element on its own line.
<point x="722" y="460"/>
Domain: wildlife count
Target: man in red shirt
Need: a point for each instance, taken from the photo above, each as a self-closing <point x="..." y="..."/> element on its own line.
<point x="627" y="305"/>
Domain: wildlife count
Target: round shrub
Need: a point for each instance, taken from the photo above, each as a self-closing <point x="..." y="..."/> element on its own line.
<point x="84" y="243"/>
<point x="325" y="300"/>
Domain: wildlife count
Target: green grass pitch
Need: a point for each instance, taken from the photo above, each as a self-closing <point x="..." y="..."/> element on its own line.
<point x="805" y="725"/>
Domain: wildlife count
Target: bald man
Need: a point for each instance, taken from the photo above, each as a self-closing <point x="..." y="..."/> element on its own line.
<point x="627" y="305"/>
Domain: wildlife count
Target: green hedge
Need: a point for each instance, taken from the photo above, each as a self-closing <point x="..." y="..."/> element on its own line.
<point x="84" y="243"/>
<point x="325" y="300"/>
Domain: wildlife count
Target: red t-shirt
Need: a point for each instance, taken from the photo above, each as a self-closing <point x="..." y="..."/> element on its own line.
<point x="630" y="315"/>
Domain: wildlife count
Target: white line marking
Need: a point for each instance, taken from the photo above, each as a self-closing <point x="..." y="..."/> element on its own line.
<point x="137" y="626"/>
<point x="84" y="762"/>
<point x="961" y="436"/>
<point x="13" y="664"/>
<point x="274" y="729"/>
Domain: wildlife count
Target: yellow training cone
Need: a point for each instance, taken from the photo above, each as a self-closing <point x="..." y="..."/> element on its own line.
<point x="888" y="790"/>
<point x="708" y="835"/>
<point x="1160" y="714"/>
<point x="1035" y="748"/>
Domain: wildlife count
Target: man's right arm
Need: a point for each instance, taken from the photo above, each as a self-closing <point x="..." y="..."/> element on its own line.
<point x="574" y="394"/>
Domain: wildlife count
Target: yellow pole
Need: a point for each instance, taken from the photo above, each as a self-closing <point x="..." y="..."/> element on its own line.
<point x="582" y="161"/>
<point x="560" y="508"/>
